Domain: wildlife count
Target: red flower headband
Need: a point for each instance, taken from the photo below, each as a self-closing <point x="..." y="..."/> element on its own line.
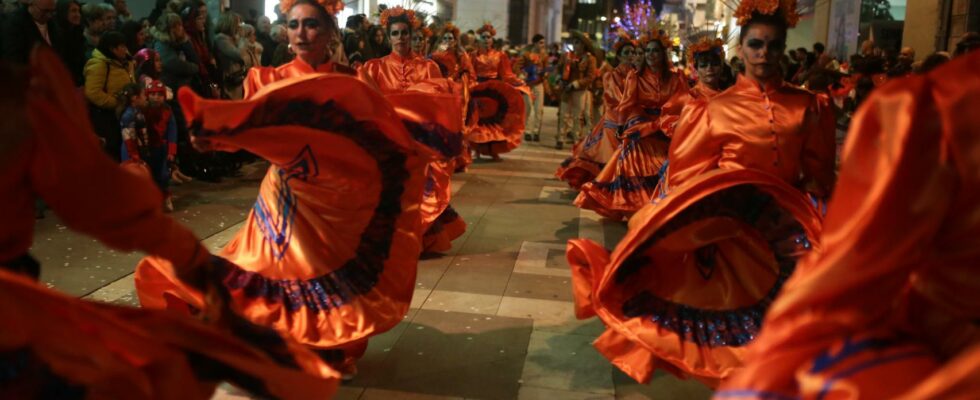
<point x="450" y="28"/>
<point x="657" y="35"/>
<point x="706" y="45"/>
<point x="487" y="28"/>
<point x="400" y="12"/>
<point x="785" y="9"/>
<point x="624" y="39"/>
<point x="332" y="6"/>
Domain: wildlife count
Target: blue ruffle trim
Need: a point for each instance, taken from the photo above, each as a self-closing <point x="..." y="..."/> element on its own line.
<point x="360" y="274"/>
<point x="716" y="327"/>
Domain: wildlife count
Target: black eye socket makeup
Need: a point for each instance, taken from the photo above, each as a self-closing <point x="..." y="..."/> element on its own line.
<point x="774" y="45"/>
<point x="628" y="53"/>
<point x="309" y="23"/>
<point x="403" y="32"/>
<point x="708" y="63"/>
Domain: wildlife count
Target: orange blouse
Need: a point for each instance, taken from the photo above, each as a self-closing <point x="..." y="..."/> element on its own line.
<point x="394" y="73"/>
<point x="457" y="66"/>
<point x="57" y="157"/>
<point x="493" y="64"/>
<point x="649" y="98"/>
<point x="782" y="130"/>
<point x="259" y="77"/>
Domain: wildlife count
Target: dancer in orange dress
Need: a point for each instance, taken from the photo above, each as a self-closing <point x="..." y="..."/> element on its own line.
<point x="56" y="346"/>
<point x="455" y="64"/>
<point x="655" y="97"/>
<point x="431" y="108"/>
<point x="688" y="286"/>
<point x="708" y="57"/>
<point x="496" y="101"/>
<point x="889" y="308"/>
<point x="329" y="252"/>
<point x="591" y="154"/>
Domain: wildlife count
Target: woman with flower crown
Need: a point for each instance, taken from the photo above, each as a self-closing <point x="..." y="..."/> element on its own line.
<point x="591" y="154"/>
<point x="708" y="58"/>
<point x="653" y="99"/>
<point x="496" y="101"/>
<point x="455" y="64"/>
<point x="433" y="113"/>
<point x="889" y="308"/>
<point x="687" y="288"/>
<point x="53" y="345"/>
<point x="328" y="254"/>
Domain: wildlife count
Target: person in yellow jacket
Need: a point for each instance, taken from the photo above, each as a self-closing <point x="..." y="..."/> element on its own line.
<point x="106" y="73"/>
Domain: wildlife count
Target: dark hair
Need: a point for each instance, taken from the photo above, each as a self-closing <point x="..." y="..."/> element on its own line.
<point x="129" y="29"/>
<point x="109" y="41"/>
<point x="355" y="21"/>
<point x="968" y="42"/>
<point x="127" y="92"/>
<point x="932" y="62"/>
<point x="764" y="19"/>
<point x="331" y="22"/>
<point x="819" y="47"/>
<point x="402" y="19"/>
<point x="537" y="37"/>
<point x="61" y="11"/>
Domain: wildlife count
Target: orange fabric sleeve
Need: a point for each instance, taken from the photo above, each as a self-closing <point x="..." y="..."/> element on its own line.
<point x="819" y="151"/>
<point x="693" y="150"/>
<point x="87" y="190"/>
<point x="891" y="172"/>
<point x="466" y="64"/>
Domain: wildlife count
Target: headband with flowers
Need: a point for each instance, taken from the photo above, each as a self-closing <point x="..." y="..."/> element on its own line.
<point x="623" y="39"/>
<point x="487" y="27"/>
<point x="398" y="12"/>
<point x="706" y="45"/>
<point x="450" y="28"/>
<point x="426" y="32"/>
<point x="785" y="9"/>
<point x="656" y="35"/>
<point x="331" y="6"/>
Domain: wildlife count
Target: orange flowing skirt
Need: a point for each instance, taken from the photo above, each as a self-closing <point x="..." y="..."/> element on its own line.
<point x="499" y="112"/>
<point x="435" y="121"/>
<point x="590" y="155"/>
<point x="56" y="346"/>
<point x="629" y="180"/>
<point x="328" y="253"/>
<point x="687" y="288"/>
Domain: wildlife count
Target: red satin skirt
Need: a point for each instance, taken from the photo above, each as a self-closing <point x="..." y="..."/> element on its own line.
<point x="686" y="289"/>
<point x="56" y="346"/>
<point x="498" y="109"/>
<point x="590" y="155"/>
<point x="628" y="181"/>
<point x="329" y="251"/>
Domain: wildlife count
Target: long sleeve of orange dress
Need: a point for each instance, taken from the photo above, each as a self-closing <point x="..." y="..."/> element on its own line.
<point x="782" y="130"/>
<point x="394" y="73"/>
<point x="895" y="285"/>
<point x="63" y="165"/>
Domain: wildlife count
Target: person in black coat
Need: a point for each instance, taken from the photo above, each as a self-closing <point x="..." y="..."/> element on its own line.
<point x="72" y="47"/>
<point x="28" y="27"/>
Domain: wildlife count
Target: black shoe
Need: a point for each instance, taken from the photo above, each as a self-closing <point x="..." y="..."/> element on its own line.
<point x="559" y="146"/>
<point x="537" y="138"/>
<point x="528" y="137"/>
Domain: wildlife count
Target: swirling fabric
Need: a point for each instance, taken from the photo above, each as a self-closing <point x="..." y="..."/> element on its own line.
<point x="888" y="308"/>
<point x="328" y="253"/>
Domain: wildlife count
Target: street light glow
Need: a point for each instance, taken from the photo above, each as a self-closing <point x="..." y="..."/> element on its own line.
<point x="603" y="19"/>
